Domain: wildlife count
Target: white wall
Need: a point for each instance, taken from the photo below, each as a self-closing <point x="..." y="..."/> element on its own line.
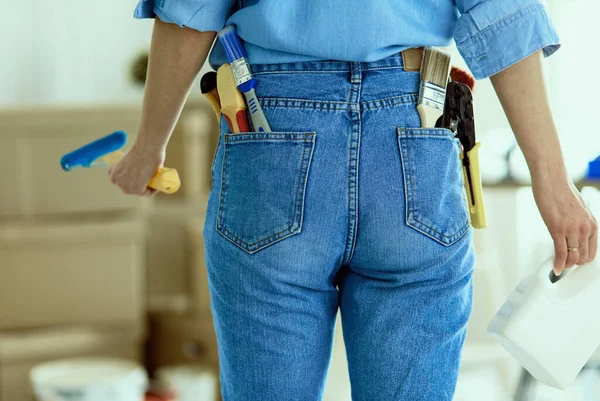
<point x="69" y="52"/>
<point x="575" y="79"/>
<point x="80" y="52"/>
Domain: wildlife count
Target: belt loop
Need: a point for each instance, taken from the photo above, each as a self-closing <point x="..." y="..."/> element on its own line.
<point x="412" y="59"/>
<point x="355" y="72"/>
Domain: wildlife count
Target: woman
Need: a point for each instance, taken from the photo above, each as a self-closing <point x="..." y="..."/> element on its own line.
<point x="348" y="203"/>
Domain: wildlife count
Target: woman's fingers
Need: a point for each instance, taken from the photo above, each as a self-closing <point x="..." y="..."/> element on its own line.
<point x="583" y="251"/>
<point x="593" y="245"/>
<point x="573" y="251"/>
<point x="584" y="242"/>
<point x="560" y="254"/>
<point x="150" y="192"/>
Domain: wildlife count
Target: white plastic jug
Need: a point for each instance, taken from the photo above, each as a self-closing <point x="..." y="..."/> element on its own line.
<point x="551" y="325"/>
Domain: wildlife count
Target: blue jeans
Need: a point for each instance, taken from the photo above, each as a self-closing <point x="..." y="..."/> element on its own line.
<point x="347" y="204"/>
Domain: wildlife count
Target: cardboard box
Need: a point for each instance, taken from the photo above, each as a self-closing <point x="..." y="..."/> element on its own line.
<point x="191" y="150"/>
<point x="33" y="140"/>
<point x="20" y="351"/>
<point x="68" y="271"/>
<point x="182" y="338"/>
<point x="170" y="256"/>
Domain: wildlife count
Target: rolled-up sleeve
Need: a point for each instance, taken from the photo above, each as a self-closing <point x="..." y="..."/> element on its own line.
<point x="201" y="15"/>
<point x="492" y="35"/>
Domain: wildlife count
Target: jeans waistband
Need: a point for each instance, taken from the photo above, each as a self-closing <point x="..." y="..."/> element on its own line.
<point x="390" y="62"/>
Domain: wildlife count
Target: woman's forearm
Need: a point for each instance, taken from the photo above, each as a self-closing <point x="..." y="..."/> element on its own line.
<point x="572" y="226"/>
<point x="522" y="92"/>
<point x="176" y="56"/>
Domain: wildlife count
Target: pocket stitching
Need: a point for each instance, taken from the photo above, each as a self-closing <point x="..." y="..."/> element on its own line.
<point x="212" y="167"/>
<point x="409" y="215"/>
<point x="307" y="140"/>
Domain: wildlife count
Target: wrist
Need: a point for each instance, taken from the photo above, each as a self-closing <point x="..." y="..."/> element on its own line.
<point x="149" y="144"/>
<point x="553" y="174"/>
<point x="149" y="150"/>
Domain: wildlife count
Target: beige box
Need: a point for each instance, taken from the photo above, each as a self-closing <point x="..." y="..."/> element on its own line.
<point x="170" y="256"/>
<point x="33" y="140"/>
<point x="182" y="338"/>
<point x="82" y="270"/>
<point x="191" y="150"/>
<point x="20" y="351"/>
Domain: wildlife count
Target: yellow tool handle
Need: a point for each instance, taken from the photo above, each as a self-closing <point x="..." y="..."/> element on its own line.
<point x="477" y="210"/>
<point x="165" y="180"/>
<point x="215" y="102"/>
<point x="232" y="115"/>
<point x="233" y="106"/>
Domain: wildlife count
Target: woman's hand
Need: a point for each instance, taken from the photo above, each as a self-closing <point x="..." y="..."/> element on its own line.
<point x="522" y="92"/>
<point x="176" y="56"/>
<point x="135" y="170"/>
<point x="572" y="225"/>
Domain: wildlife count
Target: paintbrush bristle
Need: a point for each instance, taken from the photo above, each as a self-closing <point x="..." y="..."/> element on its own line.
<point x="436" y="66"/>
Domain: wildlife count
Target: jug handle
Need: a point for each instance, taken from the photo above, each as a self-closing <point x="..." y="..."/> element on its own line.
<point x="562" y="288"/>
<point x="545" y="273"/>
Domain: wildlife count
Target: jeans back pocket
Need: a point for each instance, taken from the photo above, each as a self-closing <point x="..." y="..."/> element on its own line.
<point x="263" y="182"/>
<point x="436" y="203"/>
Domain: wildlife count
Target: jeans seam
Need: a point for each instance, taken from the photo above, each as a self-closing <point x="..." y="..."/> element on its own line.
<point x="298" y="71"/>
<point x="356" y="167"/>
<point x="395" y="67"/>
<point x="290" y="103"/>
<point x="326" y="105"/>
<point x="409" y="98"/>
<point x="238" y="138"/>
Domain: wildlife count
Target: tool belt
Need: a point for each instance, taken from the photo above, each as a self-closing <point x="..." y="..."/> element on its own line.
<point x="412" y="58"/>
<point x="459" y="118"/>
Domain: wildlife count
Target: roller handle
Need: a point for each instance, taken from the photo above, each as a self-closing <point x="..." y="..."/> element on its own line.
<point x="166" y="180"/>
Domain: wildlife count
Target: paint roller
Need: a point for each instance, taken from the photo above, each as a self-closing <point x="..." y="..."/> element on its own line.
<point x="106" y="152"/>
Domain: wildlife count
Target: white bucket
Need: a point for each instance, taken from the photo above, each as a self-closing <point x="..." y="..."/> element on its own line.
<point x="192" y="382"/>
<point x="89" y="379"/>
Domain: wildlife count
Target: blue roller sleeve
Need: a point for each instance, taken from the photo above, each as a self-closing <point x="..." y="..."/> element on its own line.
<point x="87" y="154"/>
<point x="234" y="48"/>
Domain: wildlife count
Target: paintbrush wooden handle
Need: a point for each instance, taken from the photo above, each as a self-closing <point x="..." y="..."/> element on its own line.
<point x="429" y="115"/>
<point x="165" y="180"/>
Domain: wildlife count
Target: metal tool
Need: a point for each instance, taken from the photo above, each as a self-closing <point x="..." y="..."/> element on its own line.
<point x="459" y="118"/>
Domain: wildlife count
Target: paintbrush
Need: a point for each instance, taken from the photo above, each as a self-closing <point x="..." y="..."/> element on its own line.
<point x="435" y="70"/>
<point x="236" y="54"/>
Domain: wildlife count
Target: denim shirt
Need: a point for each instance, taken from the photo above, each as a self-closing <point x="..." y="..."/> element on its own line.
<point x="490" y="35"/>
